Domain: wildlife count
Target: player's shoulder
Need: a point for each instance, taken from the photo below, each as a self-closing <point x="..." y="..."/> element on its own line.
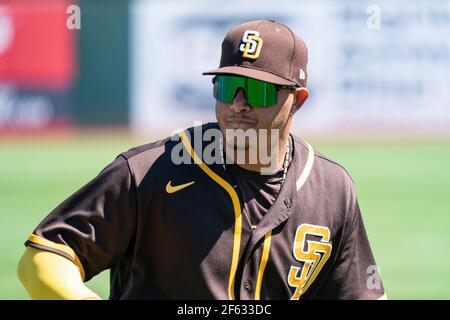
<point x="145" y="150"/>
<point x="143" y="158"/>
<point x="157" y="154"/>
<point x="323" y="167"/>
<point x="157" y="148"/>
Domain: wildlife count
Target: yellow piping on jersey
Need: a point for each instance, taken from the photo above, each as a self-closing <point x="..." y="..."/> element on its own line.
<point x="267" y="239"/>
<point x="60" y="247"/>
<point x="307" y="170"/>
<point x="237" y="211"/>
<point x="263" y="263"/>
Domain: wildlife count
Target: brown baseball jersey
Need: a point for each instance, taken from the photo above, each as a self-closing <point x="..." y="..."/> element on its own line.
<point x="178" y="231"/>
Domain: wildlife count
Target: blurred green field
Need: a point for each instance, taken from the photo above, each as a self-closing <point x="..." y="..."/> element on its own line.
<point x="403" y="189"/>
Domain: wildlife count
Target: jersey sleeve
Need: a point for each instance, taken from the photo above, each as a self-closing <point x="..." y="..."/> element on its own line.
<point x="354" y="274"/>
<point x="95" y="226"/>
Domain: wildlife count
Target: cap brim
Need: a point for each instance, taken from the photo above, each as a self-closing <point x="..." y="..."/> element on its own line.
<point x="251" y="73"/>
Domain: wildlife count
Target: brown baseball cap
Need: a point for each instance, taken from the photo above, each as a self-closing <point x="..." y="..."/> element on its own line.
<point x="264" y="50"/>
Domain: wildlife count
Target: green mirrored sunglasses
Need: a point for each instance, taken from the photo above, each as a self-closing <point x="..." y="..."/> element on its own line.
<point x="258" y="93"/>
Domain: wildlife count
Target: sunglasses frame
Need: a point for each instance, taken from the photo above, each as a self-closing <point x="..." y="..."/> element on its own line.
<point x="277" y="87"/>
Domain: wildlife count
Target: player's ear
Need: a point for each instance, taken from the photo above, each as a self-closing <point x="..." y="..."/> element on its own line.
<point x="300" y="96"/>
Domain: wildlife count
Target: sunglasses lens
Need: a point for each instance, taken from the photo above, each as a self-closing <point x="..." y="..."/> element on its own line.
<point x="225" y="87"/>
<point x="261" y="93"/>
<point x="258" y="93"/>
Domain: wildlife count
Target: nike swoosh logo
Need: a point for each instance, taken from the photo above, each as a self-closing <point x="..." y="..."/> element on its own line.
<point x="171" y="189"/>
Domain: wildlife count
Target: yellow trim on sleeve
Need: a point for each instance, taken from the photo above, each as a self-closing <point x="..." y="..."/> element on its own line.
<point x="237" y="210"/>
<point x="60" y="247"/>
<point x="263" y="263"/>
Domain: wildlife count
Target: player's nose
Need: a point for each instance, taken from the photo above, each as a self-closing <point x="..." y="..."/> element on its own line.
<point x="240" y="103"/>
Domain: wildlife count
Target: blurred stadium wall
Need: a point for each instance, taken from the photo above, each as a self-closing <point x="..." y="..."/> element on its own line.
<point x="53" y="77"/>
<point x="379" y="69"/>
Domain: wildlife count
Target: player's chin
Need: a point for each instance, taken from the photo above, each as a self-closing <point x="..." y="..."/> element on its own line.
<point x="240" y="125"/>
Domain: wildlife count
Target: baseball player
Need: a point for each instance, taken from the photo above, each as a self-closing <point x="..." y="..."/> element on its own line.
<point x="223" y="229"/>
